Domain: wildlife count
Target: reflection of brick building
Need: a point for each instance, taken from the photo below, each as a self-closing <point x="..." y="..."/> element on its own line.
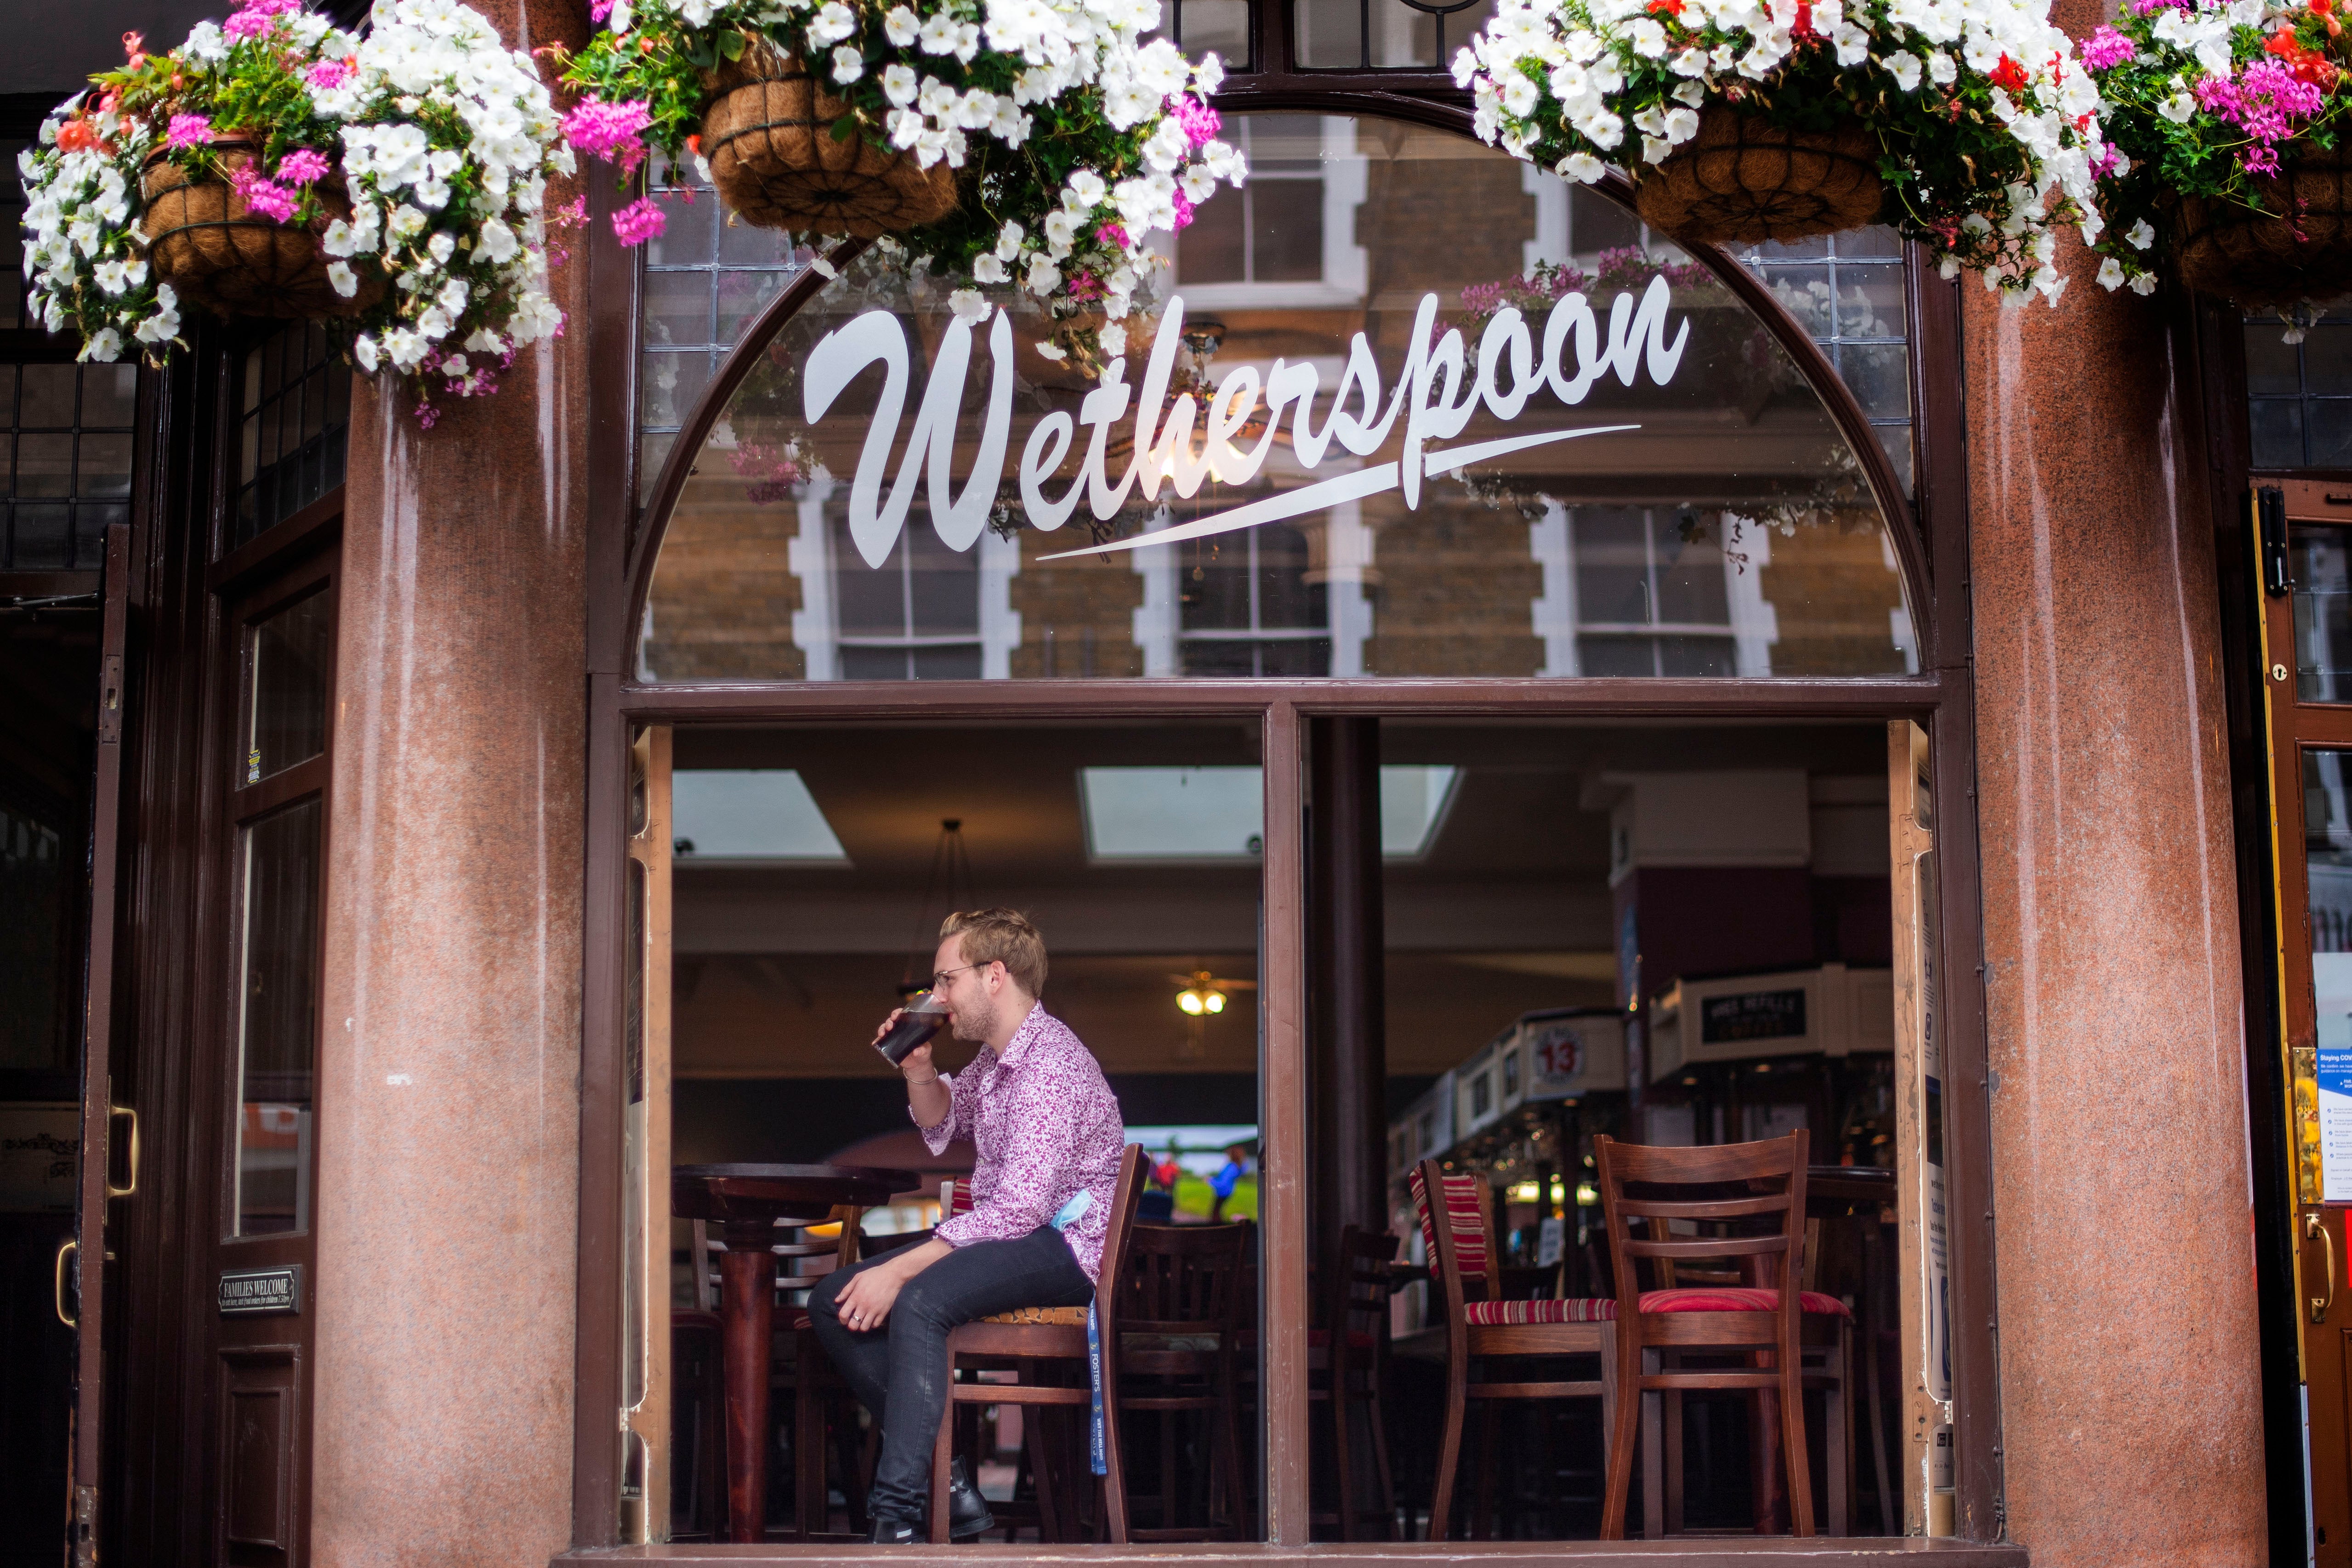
<point x="1452" y="597"/>
<point x="1720" y="526"/>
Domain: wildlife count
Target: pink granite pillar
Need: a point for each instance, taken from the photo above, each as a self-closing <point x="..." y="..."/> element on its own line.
<point x="449" y="1102"/>
<point x="2130" y="1408"/>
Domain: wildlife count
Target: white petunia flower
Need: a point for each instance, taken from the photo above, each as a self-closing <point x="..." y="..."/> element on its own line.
<point x="346" y="281"/>
<point x="848" y="65"/>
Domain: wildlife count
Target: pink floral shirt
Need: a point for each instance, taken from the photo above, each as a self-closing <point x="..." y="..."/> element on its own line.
<point x="1047" y="1127"/>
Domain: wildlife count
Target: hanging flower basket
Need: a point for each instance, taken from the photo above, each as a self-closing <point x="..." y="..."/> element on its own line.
<point x="1970" y="128"/>
<point x="1037" y="145"/>
<point x="209" y="244"/>
<point x="2233" y="163"/>
<point x="778" y="161"/>
<point x="1741" y="180"/>
<point x="2298" y="249"/>
<point x="274" y="166"/>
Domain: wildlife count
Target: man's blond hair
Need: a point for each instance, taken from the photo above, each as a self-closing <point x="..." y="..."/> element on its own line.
<point x="1000" y="936"/>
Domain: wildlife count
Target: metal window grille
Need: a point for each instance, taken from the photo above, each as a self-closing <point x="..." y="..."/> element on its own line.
<point x="2299" y="394"/>
<point x="705" y="279"/>
<point x="1386" y="34"/>
<point x="68" y="473"/>
<point x="1847" y="291"/>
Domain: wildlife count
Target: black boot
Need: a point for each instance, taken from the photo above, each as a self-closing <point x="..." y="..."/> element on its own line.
<point x="889" y="1531"/>
<point x="968" y="1512"/>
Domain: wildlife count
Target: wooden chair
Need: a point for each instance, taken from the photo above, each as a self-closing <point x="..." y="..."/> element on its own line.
<point x="1459" y="1232"/>
<point x="697" y="1424"/>
<point x="817" y="1390"/>
<point x="1346" y="1370"/>
<point x="1180" y="1319"/>
<point x="1765" y="1326"/>
<point x="1056" y="1336"/>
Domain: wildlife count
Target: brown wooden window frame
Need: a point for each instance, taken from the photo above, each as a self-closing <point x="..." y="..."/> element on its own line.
<point x="1929" y="538"/>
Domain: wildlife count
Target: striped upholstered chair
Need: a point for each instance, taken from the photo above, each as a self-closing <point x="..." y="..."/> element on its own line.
<point x="1458" y="1232"/>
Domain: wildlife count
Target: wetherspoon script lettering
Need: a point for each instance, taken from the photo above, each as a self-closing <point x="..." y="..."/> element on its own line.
<point x="1435" y="394"/>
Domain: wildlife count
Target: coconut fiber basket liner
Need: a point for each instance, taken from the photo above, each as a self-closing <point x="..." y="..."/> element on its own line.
<point x="2299" y="248"/>
<point x="775" y="159"/>
<point x="202" y="240"/>
<point x="1740" y="181"/>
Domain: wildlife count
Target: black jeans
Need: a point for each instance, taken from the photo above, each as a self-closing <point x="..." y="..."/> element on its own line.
<point x="899" y="1371"/>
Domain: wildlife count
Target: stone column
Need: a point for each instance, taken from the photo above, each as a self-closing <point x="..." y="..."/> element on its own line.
<point x="2130" y="1404"/>
<point x="449" y="1106"/>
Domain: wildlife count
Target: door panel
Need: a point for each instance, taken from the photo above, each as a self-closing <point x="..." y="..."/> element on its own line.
<point x="2307" y="675"/>
<point x="85" y="1269"/>
<point x="272" y="852"/>
<point x="261" y="1433"/>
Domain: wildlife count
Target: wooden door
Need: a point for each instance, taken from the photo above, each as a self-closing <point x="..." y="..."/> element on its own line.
<point x="2304" y="534"/>
<point x="272" y="854"/>
<point x="81" y="1265"/>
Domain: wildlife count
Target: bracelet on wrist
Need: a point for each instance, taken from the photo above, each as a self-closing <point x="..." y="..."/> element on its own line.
<point x="917" y="1083"/>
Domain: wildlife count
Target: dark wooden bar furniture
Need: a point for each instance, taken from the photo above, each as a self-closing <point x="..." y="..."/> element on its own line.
<point x="1057" y="1338"/>
<point x="1180" y="1323"/>
<point x="1458" y="1226"/>
<point x="1751" y="1336"/>
<point x="745" y="1201"/>
<point x="1346" y="1370"/>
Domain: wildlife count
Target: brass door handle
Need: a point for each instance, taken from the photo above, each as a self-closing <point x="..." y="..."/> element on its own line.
<point x="2316" y="1225"/>
<point x="71" y="1245"/>
<point x="111" y="1190"/>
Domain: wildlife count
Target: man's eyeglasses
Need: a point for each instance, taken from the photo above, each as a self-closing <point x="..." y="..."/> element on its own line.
<point x="940" y="980"/>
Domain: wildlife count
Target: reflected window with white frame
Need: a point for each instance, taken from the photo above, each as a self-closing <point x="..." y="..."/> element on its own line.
<point x="1287" y="238"/>
<point x="1658" y="591"/>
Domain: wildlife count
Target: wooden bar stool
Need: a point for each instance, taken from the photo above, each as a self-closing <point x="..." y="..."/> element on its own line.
<point x="1347" y="1371"/>
<point x="1459" y="1231"/>
<point x="1179" y="1324"/>
<point x="1035" y="1340"/>
<point x="1764" y="1329"/>
<point x="820" y="1397"/>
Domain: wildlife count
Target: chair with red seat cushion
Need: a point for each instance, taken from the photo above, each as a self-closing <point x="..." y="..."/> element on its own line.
<point x="1458" y="1232"/>
<point x="1754" y="1336"/>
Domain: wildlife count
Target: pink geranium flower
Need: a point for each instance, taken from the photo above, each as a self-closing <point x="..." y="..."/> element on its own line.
<point x="1199" y="120"/>
<point x="302" y="167"/>
<point x="639" y="222"/>
<point x="613" y="132"/>
<point x="1114" y="233"/>
<point x="266" y="197"/>
<point x="328" y="73"/>
<point x="2106" y="49"/>
<point x="188" y="131"/>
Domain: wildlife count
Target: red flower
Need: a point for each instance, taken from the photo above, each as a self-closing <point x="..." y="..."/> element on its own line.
<point x="1665" y="7"/>
<point x="2007" y="75"/>
<point x="76" y="136"/>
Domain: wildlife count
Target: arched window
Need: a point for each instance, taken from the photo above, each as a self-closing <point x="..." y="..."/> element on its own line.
<point x="1650" y="484"/>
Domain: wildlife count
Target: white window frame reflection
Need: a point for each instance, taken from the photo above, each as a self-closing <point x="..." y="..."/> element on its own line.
<point x="1345" y="176"/>
<point x="1750" y="623"/>
<point x="812" y="557"/>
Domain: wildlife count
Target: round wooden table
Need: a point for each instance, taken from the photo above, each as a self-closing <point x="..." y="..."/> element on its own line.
<point x="747" y="1201"/>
